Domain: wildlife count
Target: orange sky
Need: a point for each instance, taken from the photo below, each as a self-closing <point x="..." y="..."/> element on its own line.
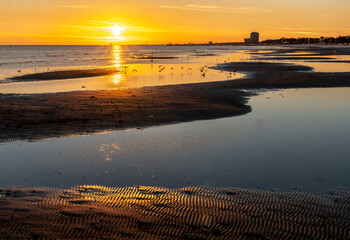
<point x="161" y="21"/>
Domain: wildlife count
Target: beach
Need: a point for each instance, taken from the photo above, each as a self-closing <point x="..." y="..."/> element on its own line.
<point x="199" y="185"/>
<point x="175" y="120"/>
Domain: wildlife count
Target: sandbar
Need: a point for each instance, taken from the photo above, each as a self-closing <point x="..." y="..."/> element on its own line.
<point x="53" y="115"/>
<point x="142" y="57"/>
<point x="67" y="74"/>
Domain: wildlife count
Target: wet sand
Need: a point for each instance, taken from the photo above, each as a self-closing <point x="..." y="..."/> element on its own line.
<point x="310" y="49"/>
<point x="93" y="212"/>
<point x="54" y="115"/>
<point x="68" y="74"/>
<point x="293" y="58"/>
<point x="142" y="57"/>
<point x="263" y="75"/>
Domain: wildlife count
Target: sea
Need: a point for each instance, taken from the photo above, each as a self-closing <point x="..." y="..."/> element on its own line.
<point x="292" y="139"/>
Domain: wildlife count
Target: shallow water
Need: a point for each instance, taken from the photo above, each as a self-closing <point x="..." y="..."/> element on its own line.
<point x="190" y="64"/>
<point x="291" y="139"/>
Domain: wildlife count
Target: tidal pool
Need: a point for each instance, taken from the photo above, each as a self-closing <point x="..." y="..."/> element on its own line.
<point x="292" y="139"/>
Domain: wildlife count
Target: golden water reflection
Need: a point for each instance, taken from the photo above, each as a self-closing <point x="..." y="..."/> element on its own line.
<point x="117" y="62"/>
<point x="116" y="58"/>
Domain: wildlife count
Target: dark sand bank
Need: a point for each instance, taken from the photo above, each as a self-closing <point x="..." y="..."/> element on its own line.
<point x="279" y="75"/>
<point x="293" y="58"/>
<point x="65" y="74"/>
<point x="53" y="115"/>
<point x="261" y="67"/>
<point x="92" y="212"/>
<point x="330" y="61"/>
<point x="142" y="57"/>
<point x="305" y="51"/>
<point x="203" y="55"/>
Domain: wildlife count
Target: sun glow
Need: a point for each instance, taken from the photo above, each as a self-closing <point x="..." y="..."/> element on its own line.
<point x="117" y="30"/>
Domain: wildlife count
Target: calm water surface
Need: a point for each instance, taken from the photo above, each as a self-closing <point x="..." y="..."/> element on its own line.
<point x="292" y="139"/>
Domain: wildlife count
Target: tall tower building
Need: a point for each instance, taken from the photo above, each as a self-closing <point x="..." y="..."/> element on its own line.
<point x="254" y="37"/>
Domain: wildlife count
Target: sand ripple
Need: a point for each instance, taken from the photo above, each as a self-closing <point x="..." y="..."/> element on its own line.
<point x="94" y="212"/>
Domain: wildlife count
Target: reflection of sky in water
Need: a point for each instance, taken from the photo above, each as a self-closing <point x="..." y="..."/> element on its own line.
<point x="293" y="138"/>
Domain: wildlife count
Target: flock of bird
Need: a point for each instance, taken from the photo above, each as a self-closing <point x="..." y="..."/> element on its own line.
<point x="203" y="70"/>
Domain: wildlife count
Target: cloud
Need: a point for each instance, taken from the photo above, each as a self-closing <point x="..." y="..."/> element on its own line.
<point x="308" y="33"/>
<point x="63" y="4"/>
<point x="72" y="6"/>
<point x="213" y="8"/>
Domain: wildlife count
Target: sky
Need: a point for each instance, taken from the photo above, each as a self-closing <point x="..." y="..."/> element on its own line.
<point x="80" y="22"/>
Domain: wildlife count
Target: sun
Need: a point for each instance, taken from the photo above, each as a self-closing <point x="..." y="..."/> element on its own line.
<point x="117" y="30"/>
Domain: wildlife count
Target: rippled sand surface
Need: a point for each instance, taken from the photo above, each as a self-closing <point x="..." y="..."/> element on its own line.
<point x="94" y="212"/>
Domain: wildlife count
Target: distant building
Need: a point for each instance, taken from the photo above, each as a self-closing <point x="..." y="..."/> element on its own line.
<point x="254" y="38"/>
<point x="210" y="43"/>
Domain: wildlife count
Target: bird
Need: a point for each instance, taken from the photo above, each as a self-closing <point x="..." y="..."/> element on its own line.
<point x="202" y="69"/>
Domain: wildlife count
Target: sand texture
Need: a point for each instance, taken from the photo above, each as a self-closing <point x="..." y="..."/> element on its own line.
<point x="53" y="115"/>
<point x="93" y="212"/>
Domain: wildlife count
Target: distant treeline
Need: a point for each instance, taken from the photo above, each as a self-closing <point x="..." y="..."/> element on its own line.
<point x="326" y="40"/>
